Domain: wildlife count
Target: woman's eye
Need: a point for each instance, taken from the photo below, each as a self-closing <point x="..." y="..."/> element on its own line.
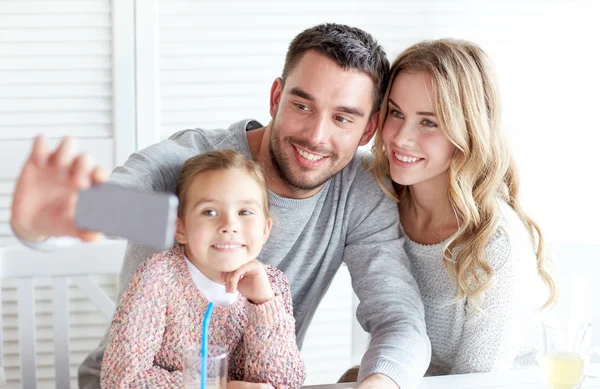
<point x="210" y="212"/>
<point x="246" y="212"/>
<point x="397" y="114"/>
<point x="429" y="123"/>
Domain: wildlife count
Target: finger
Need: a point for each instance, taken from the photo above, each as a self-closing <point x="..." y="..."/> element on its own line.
<point x="253" y="267"/>
<point x="230" y="283"/>
<point x="89" y="236"/>
<point x="234" y="278"/>
<point x="99" y="175"/>
<point x="39" y="151"/>
<point x="61" y="158"/>
<point x="81" y="171"/>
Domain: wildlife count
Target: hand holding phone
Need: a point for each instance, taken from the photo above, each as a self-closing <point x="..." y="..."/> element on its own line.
<point x="144" y="218"/>
<point x="43" y="202"/>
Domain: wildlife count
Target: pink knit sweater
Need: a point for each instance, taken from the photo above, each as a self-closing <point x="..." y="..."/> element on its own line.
<point x="160" y="315"/>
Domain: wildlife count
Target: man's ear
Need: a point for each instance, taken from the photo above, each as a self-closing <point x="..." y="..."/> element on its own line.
<point x="180" y="235"/>
<point x="275" y="96"/>
<point x="370" y="129"/>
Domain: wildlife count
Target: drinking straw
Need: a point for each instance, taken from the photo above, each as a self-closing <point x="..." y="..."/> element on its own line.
<point x="204" y="344"/>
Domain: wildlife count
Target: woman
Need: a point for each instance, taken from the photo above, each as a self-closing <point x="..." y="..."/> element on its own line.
<point x="477" y="257"/>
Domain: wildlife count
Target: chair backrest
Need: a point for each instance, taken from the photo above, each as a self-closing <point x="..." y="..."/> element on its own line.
<point x="76" y="263"/>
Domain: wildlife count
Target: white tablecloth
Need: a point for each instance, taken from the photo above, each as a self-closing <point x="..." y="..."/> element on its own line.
<point x="517" y="379"/>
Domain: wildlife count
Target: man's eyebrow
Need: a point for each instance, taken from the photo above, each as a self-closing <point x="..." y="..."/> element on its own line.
<point x="301" y="93"/>
<point x="351" y="111"/>
<point x="307" y="96"/>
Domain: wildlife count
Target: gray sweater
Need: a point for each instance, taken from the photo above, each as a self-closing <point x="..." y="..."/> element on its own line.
<point x="350" y="220"/>
<point x="506" y="333"/>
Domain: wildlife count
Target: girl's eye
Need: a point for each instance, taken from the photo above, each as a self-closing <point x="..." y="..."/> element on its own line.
<point x="210" y="212"/>
<point x="397" y="114"/>
<point x="246" y="212"/>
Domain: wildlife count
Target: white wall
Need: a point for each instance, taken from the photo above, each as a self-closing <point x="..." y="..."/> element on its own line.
<point x="124" y="74"/>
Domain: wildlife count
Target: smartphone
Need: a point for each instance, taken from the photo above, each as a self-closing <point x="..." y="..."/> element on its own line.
<point x="144" y="218"/>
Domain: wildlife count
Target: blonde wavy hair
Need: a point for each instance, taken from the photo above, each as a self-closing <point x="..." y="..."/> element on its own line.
<point x="482" y="169"/>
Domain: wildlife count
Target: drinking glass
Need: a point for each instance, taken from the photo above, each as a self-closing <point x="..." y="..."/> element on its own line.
<point x="216" y="368"/>
<point x="566" y="347"/>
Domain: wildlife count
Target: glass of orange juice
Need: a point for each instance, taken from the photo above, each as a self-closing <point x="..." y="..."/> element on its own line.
<point x="566" y="346"/>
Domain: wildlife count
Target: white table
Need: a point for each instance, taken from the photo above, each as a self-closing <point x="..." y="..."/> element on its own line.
<point x="518" y="379"/>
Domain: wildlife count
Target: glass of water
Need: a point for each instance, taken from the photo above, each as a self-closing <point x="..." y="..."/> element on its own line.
<point x="216" y="368"/>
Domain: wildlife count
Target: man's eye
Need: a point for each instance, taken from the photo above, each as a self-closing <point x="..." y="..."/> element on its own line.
<point x="341" y="119"/>
<point x="302" y="107"/>
<point x="210" y="212"/>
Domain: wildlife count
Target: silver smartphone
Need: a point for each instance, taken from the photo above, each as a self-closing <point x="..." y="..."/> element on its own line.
<point x="144" y="218"/>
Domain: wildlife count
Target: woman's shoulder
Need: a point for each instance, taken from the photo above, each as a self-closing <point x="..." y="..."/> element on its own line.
<point x="511" y="241"/>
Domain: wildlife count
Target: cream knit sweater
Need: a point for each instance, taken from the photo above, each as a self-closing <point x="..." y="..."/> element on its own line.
<point x="505" y="334"/>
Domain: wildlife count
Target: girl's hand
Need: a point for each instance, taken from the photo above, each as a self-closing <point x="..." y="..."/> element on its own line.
<point x="251" y="281"/>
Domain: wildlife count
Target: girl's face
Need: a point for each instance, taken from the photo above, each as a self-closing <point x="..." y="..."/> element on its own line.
<point x="224" y="224"/>
<point x="417" y="148"/>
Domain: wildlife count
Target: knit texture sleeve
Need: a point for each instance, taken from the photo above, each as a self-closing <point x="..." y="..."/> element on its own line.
<point x="268" y="352"/>
<point x="491" y="335"/>
<point x="390" y="307"/>
<point x="136" y="333"/>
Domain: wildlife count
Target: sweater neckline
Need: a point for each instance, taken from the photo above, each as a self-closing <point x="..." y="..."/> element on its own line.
<point x="424" y="245"/>
<point x="199" y="302"/>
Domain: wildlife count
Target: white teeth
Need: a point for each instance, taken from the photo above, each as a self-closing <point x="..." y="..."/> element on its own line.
<point x="404" y="158"/>
<point x="228" y="246"/>
<point x="310" y="157"/>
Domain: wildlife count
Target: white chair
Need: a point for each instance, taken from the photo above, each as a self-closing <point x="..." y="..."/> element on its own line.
<point x="76" y="263"/>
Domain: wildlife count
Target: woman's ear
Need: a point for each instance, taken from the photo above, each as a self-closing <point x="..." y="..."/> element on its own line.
<point x="268" y="225"/>
<point x="180" y="235"/>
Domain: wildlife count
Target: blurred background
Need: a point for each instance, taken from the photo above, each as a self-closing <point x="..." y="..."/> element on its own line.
<point x="120" y="75"/>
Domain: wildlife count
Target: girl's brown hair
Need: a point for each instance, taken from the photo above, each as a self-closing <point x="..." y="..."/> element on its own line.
<point x="219" y="160"/>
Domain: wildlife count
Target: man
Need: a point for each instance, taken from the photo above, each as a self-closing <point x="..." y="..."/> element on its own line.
<point x="327" y="208"/>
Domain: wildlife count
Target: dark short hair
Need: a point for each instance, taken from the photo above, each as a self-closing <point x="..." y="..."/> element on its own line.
<point x="349" y="47"/>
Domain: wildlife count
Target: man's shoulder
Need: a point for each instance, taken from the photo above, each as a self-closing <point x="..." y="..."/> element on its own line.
<point x="359" y="175"/>
<point x="208" y="139"/>
<point x="359" y="189"/>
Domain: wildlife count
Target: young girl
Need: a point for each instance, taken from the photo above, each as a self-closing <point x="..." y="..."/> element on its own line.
<point x="477" y="257"/>
<point x="223" y="222"/>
